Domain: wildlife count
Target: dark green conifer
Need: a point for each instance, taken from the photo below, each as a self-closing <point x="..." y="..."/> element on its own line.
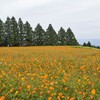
<point x="2" y="33"/>
<point x="28" y="33"/>
<point x="51" y="36"/>
<point x="7" y="27"/>
<point x="39" y="35"/>
<point x="21" y="35"/>
<point x="14" y="36"/>
<point x="89" y="44"/>
<point x="62" y="37"/>
<point x="71" y="37"/>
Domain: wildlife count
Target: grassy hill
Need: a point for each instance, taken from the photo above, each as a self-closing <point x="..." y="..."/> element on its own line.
<point x="49" y="73"/>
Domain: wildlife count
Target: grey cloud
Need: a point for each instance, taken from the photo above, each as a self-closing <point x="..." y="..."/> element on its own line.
<point x="83" y="16"/>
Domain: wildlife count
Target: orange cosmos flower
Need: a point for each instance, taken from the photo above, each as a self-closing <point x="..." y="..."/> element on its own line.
<point x="41" y="93"/>
<point x="28" y="87"/>
<point x="72" y="99"/>
<point x="20" y="88"/>
<point x="62" y="96"/>
<point x="65" y="88"/>
<point x="79" y="80"/>
<point x="51" y="88"/>
<point x="2" y="98"/>
<point x="50" y="98"/>
<point x="82" y="67"/>
<point x="48" y="92"/>
<point x="93" y="91"/>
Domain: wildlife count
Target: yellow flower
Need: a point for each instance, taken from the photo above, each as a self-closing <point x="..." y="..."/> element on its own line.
<point x="53" y="94"/>
<point x="60" y="94"/>
<point x="63" y="81"/>
<point x="58" y="98"/>
<point x="93" y="91"/>
<point x="16" y="92"/>
<point x="1" y="76"/>
<point x="23" y="79"/>
<point x="52" y="83"/>
<point x="11" y="90"/>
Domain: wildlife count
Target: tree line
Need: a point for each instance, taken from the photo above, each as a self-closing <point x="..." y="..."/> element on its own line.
<point x="17" y="33"/>
<point x="88" y="44"/>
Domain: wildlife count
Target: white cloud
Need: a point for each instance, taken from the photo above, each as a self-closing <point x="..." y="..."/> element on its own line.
<point x="83" y="16"/>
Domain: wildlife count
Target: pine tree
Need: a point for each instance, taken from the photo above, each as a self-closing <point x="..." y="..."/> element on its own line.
<point x="14" y="36"/>
<point x="2" y="33"/>
<point x="71" y="38"/>
<point x="21" y="32"/>
<point x="28" y="33"/>
<point x="7" y="27"/>
<point x="39" y="35"/>
<point x="84" y="44"/>
<point x="62" y="37"/>
<point x="51" y="36"/>
<point x="89" y="44"/>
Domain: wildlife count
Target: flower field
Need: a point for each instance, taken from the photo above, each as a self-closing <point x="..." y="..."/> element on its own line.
<point x="49" y="73"/>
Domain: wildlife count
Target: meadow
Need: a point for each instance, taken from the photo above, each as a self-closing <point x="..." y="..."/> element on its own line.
<point x="49" y="73"/>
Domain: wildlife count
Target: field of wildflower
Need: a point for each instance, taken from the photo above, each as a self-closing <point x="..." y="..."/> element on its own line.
<point x="49" y="73"/>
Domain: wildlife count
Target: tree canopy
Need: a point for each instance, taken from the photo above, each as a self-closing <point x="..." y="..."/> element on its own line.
<point x="17" y="33"/>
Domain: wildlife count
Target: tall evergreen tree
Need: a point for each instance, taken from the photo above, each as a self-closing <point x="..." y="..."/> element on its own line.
<point x="14" y="38"/>
<point x="89" y="44"/>
<point x="8" y="31"/>
<point x="28" y="33"/>
<point x="84" y="44"/>
<point x="71" y="38"/>
<point x="51" y="36"/>
<point x="62" y="37"/>
<point x="39" y="35"/>
<point x="21" y="32"/>
<point x="2" y="33"/>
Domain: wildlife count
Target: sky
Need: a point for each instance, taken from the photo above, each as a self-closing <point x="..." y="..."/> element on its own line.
<point x="82" y="16"/>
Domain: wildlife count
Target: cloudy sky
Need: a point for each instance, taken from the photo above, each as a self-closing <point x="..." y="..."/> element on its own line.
<point x="83" y="16"/>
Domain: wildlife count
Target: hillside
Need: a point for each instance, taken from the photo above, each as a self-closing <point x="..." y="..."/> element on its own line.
<point x="53" y="73"/>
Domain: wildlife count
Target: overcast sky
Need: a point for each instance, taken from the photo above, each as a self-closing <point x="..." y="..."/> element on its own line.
<point x="83" y="16"/>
